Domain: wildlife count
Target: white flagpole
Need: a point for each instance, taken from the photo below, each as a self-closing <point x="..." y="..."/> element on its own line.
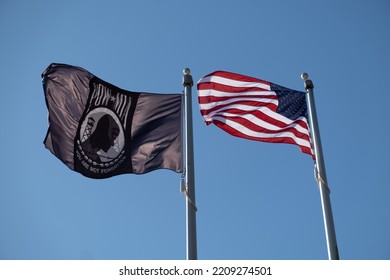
<point x="189" y="189"/>
<point x="333" y="253"/>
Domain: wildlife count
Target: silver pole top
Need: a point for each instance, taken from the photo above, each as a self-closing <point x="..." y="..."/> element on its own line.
<point x="304" y="76"/>
<point x="187" y="78"/>
<point x="308" y="83"/>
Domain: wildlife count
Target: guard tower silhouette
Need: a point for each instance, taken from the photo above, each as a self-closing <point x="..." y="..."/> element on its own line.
<point x="88" y="129"/>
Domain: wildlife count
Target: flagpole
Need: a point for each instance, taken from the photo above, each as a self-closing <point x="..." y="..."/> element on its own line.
<point x="333" y="253"/>
<point x="191" y="246"/>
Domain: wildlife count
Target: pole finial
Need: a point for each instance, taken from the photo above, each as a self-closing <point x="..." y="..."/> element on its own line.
<point x="187" y="78"/>
<point x="308" y="83"/>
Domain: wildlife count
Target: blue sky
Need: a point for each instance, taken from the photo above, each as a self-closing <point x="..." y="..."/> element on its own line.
<point x="255" y="200"/>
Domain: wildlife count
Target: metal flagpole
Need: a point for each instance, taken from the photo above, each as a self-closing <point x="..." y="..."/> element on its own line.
<point x="189" y="187"/>
<point x="333" y="253"/>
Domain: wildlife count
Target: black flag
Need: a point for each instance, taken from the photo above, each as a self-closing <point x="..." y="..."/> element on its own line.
<point x="100" y="130"/>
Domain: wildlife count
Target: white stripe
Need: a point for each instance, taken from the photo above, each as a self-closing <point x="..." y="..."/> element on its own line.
<point x="259" y="122"/>
<point x="252" y="118"/>
<point x="217" y="93"/>
<point x="249" y="108"/>
<point x="244" y="130"/>
<point x="207" y="106"/>
<point x="222" y="110"/>
<point x="233" y="83"/>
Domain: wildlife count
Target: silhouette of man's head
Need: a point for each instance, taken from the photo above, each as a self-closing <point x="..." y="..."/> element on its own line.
<point x="103" y="137"/>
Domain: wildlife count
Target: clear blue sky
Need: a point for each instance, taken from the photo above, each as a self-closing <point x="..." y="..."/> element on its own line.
<point x="255" y="200"/>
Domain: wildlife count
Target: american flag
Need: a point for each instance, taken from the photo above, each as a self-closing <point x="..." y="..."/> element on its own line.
<point x="255" y="109"/>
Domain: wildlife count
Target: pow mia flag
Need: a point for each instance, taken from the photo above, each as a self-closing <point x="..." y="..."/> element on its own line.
<point x="100" y="130"/>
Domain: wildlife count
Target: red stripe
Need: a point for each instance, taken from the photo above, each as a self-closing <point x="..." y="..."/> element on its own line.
<point x="210" y="99"/>
<point x="238" y="77"/>
<point x="252" y="126"/>
<point x="236" y="133"/>
<point x="271" y="106"/>
<point x="259" y="114"/>
<point x="226" y="88"/>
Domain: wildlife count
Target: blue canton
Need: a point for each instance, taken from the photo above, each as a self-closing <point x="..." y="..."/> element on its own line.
<point x="292" y="103"/>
